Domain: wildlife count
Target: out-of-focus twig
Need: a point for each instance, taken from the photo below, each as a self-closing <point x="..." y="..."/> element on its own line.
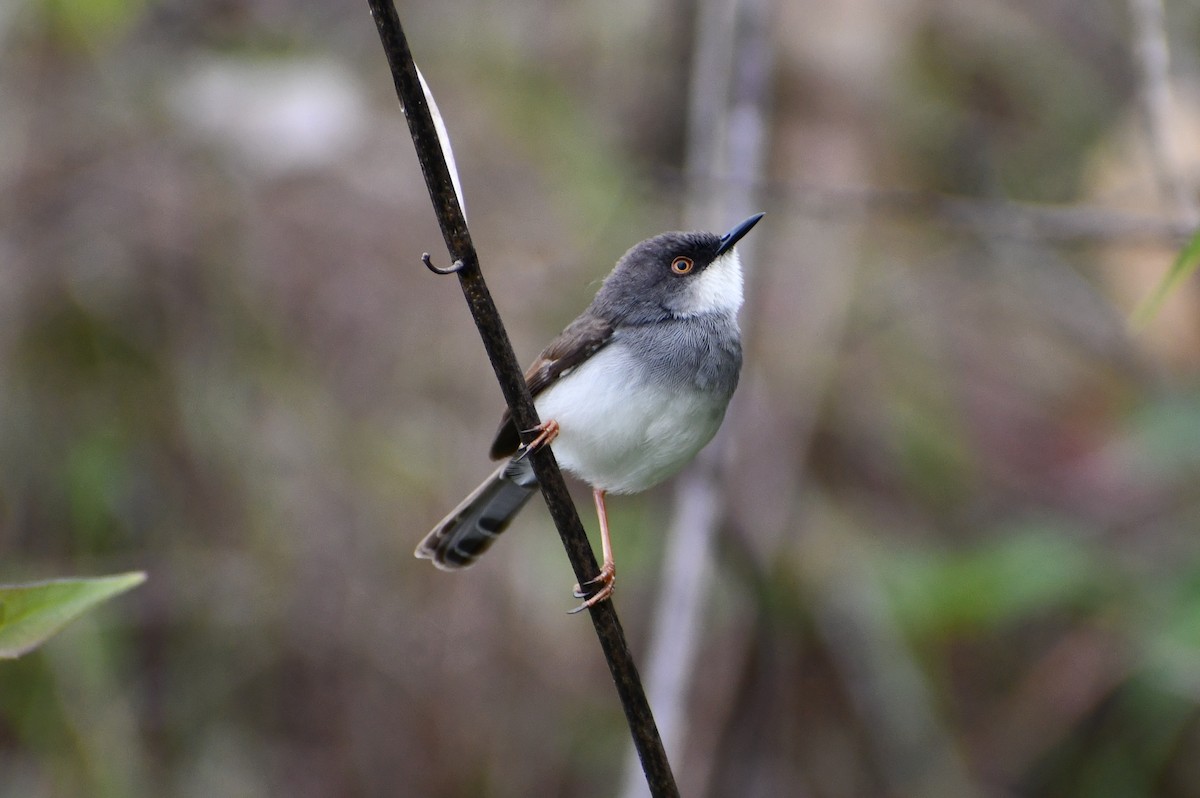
<point x="453" y="224"/>
<point x="730" y="82"/>
<point x="1025" y="221"/>
<point x="1153" y="56"/>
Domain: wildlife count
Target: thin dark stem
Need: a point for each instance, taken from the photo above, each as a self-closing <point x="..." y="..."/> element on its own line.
<point x="512" y="382"/>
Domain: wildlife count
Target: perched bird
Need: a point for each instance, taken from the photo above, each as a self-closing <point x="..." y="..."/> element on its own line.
<point x="628" y="393"/>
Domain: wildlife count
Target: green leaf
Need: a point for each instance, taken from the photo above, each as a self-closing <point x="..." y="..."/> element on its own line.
<point x="1185" y="264"/>
<point x="30" y="614"/>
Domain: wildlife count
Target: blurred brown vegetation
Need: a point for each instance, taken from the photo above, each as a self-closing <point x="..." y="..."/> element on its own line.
<point x="962" y="554"/>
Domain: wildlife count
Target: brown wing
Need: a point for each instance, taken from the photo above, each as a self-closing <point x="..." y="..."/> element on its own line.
<point x="583" y="338"/>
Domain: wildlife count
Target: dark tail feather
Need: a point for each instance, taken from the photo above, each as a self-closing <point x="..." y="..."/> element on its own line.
<point x="471" y="527"/>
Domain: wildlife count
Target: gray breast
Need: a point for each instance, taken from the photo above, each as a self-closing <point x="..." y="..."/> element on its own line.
<point x="701" y="352"/>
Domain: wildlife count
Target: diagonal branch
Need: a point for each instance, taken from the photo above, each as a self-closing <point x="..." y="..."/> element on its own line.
<point x="512" y="382"/>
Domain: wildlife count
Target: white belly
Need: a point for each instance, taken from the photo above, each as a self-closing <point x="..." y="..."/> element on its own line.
<point x="625" y="436"/>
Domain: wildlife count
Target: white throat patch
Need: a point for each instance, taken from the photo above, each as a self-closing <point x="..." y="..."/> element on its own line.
<point x="718" y="289"/>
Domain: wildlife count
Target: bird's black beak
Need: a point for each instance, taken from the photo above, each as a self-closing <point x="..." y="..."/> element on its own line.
<point x="735" y="235"/>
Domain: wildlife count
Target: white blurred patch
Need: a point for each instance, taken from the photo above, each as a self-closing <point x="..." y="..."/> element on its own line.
<point x="275" y="115"/>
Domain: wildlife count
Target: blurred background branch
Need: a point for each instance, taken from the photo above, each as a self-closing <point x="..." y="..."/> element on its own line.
<point x="1153" y="57"/>
<point x="727" y="127"/>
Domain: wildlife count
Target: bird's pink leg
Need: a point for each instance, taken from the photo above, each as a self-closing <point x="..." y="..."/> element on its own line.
<point x="608" y="571"/>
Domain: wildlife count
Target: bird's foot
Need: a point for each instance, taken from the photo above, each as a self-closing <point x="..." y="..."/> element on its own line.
<point x="547" y="431"/>
<point x="605" y="580"/>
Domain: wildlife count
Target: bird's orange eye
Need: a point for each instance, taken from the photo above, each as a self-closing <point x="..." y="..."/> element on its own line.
<point x="682" y="265"/>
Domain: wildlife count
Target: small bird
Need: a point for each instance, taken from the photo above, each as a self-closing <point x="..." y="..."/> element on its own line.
<point x="628" y="393"/>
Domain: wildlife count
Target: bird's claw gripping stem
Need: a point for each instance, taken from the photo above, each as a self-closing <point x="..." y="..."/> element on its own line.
<point x="547" y="431"/>
<point x="606" y="580"/>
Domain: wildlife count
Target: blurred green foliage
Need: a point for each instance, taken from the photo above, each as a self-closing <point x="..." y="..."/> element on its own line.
<point x="91" y="24"/>
<point x="1185" y="266"/>
<point x="1020" y="572"/>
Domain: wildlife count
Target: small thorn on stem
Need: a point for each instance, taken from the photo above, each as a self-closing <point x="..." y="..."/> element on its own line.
<point x="457" y="266"/>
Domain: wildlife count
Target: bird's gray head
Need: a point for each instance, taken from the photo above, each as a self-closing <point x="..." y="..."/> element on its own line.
<point x="676" y="275"/>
